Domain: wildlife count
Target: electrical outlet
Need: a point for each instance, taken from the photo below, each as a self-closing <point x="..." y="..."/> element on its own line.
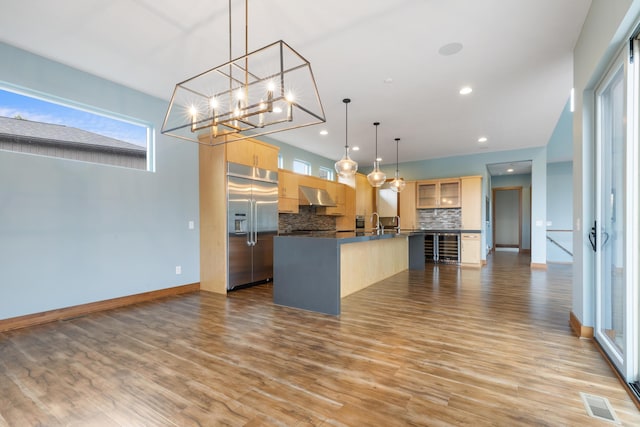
<point x="178" y="269"/>
<point x="191" y="225"/>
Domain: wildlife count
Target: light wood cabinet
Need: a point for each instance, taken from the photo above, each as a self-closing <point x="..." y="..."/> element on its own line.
<point x="252" y="152"/>
<point x="337" y="193"/>
<point x="407" y="206"/>
<point x="471" y="202"/>
<point x="287" y="192"/>
<point x="443" y="193"/>
<point x="470" y="249"/>
<point x="288" y="201"/>
<point x="348" y="220"/>
<point x="365" y="197"/>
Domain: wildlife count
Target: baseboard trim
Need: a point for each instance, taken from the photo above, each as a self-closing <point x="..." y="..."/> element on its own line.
<point x="578" y="329"/>
<point x="83" y="309"/>
<point x="538" y="266"/>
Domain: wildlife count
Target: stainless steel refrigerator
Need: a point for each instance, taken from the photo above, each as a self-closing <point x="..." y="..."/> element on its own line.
<point x="252" y="200"/>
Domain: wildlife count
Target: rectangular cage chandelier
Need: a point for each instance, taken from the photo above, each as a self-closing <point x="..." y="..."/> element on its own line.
<point x="269" y="90"/>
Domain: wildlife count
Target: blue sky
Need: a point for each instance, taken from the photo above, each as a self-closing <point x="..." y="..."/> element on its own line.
<point x="34" y="109"/>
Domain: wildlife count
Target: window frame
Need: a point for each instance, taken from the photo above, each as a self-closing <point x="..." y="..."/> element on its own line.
<point x="306" y="166"/>
<point x="126" y="155"/>
<point x="329" y="177"/>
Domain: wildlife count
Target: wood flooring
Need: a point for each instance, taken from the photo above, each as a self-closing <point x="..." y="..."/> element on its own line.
<point x="446" y="346"/>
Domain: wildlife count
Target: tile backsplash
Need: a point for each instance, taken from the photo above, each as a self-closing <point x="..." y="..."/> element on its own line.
<point x="445" y="219"/>
<point x="306" y="219"/>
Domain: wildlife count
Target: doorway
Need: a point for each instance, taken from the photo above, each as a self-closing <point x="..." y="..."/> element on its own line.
<point x="507" y="218"/>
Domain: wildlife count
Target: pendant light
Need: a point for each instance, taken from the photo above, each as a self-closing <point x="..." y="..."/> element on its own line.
<point x="376" y="177"/>
<point x="398" y="183"/>
<point x="346" y="167"/>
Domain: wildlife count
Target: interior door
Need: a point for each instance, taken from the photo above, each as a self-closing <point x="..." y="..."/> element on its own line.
<point x="610" y="236"/>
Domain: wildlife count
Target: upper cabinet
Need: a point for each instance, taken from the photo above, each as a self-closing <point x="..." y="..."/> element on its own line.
<point x="288" y="199"/>
<point x="442" y="193"/>
<point x="407" y="206"/>
<point x="252" y="152"/>
<point x="365" y="197"/>
<point x="471" y="196"/>
<point x="347" y="222"/>
<point x="337" y="193"/>
<point x="287" y="192"/>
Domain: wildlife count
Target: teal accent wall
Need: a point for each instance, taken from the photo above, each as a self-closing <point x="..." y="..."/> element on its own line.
<point x="560" y="210"/>
<point x="72" y="232"/>
<point x="289" y="153"/>
<point x="476" y="164"/>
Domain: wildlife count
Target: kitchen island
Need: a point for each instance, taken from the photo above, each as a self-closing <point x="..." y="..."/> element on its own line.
<point x="314" y="271"/>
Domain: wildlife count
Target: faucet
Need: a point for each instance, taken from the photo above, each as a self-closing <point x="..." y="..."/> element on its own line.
<point x="397" y="224"/>
<point x="379" y="227"/>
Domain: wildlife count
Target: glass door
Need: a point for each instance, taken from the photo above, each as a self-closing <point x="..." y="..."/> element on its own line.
<point x="611" y="237"/>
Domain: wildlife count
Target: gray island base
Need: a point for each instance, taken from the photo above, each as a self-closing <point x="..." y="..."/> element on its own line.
<point x="315" y="272"/>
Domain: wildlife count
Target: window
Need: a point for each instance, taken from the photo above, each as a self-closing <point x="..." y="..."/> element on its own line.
<point x="300" y="166"/>
<point x="326" y="173"/>
<point x="44" y="125"/>
<point x="280" y="161"/>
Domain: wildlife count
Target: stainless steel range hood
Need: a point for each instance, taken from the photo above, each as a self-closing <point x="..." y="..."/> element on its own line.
<point x="308" y="196"/>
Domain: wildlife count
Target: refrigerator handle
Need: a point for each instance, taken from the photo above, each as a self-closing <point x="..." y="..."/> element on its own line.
<point x="250" y="226"/>
<point x="255" y="220"/>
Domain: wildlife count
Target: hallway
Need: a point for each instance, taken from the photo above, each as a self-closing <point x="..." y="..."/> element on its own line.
<point x="443" y="346"/>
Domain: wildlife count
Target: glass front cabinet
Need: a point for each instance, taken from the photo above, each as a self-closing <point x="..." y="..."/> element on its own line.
<point x="442" y="193"/>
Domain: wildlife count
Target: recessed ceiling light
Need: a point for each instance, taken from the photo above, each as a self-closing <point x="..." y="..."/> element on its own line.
<point x="466" y="90"/>
<point x="355" y="148"/>
<point x="482" y="139"/>
<point x="388" y="80"/>
<point x="324" y="132"/>
<point x="510" y="170"/>
<point x="450" y="49"/>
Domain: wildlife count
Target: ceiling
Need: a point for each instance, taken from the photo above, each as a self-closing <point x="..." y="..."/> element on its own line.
<point x="516" y="55"/>
<point x="522" y="167"/>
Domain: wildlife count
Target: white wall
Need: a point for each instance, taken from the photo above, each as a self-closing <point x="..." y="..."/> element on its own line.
<point x="608" y="25"/>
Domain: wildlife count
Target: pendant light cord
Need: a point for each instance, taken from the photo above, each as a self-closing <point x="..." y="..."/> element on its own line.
<point x="346" y="125"/>
<point x="376" y="125"/>
<point x="397" y="170"/>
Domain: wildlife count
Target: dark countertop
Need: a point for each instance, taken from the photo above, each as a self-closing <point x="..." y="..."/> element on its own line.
<point x="362" y="236"/>
<point x="345" y="236"/>
<point x="445" y="230"/>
